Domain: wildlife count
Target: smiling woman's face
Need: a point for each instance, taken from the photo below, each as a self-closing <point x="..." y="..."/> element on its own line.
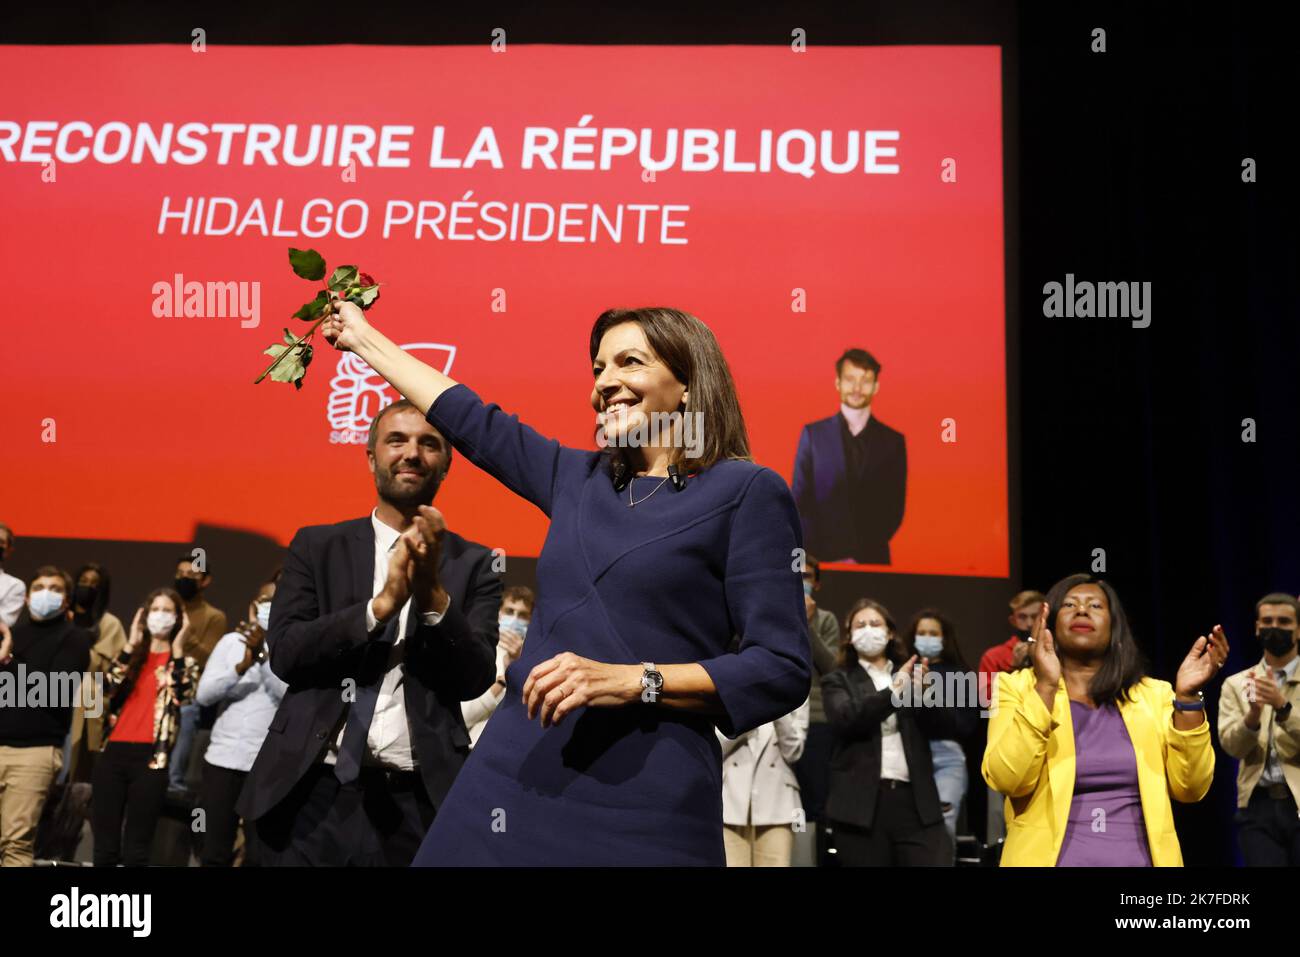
<point x="632" y="383"/>
<point x="1083" y="622"/>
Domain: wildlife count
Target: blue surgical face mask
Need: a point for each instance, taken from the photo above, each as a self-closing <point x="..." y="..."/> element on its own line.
<point x="513" y="624"/>
<point x="929" y="646"/>
<point x="264" y="615"/>
<point x="807" y="587"/>
<point x="44" y="604"/>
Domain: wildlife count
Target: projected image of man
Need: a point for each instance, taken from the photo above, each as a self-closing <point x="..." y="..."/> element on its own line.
<point x="850" y="471"/>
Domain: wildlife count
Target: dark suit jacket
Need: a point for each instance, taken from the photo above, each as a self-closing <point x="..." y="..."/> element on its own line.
<point x="855" y="710"/>
<point x="318" y="638"/>
<point x="824" y="491"/>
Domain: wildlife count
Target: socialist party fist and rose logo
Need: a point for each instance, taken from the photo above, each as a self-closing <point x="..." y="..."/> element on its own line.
<point x="357" y="393"/>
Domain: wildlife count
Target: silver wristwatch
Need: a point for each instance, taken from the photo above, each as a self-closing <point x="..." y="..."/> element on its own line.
<point x="652" y="683"/>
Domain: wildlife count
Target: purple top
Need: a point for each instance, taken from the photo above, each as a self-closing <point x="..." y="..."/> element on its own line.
<point x="1106" y="826"/>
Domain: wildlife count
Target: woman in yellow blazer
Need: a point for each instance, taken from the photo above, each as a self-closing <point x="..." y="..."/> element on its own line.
<point x="1087" y="749"/>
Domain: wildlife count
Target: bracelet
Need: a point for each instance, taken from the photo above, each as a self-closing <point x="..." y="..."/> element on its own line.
<point x="1197" y="705"/>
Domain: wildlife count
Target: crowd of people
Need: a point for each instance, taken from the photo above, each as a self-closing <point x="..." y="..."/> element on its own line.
<point x="869" y="774"/>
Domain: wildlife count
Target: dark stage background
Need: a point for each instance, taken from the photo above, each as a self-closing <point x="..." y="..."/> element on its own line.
<point x="1120" y="166"/>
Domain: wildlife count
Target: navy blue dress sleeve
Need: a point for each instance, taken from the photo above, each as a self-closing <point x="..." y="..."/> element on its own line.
<point x="513" y="453"/>
<point x="771" y="673"/>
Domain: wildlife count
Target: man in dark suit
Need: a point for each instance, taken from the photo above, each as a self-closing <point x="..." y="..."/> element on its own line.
<point x="381" y="626"/>
<point x="850" y="472"/>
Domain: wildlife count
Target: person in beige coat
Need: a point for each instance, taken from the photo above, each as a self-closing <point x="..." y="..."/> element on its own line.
<point x="760" y="793"/>
<point x="1260" y="727"/>
<point x="108" y="637"/>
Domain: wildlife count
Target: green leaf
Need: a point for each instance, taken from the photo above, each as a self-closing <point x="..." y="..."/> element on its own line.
<point x="343" y="277"/>
<point x="307" y="263"/>
<point x="311" y="310"/>
<point x="291" y="367"/>
<point x="365" y="297"/>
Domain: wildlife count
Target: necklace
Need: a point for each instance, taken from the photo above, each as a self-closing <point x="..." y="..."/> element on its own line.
<point x="632" y="504"/>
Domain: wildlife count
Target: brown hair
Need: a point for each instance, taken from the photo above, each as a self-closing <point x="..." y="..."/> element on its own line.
<point x="691" y="352"/>
<point x="849" y="655"/>
<point x="141" y="653"/>
<point x="1021" y="599"/>
<point x="1279" y="598"/>
<point x="951" y="655"/>
<point x="520" y="593"/>
<point x="373" y="436"/>
<point x="53" y="571"/>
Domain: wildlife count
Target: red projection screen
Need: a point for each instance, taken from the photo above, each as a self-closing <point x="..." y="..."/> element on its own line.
<point x="808" y="203"/>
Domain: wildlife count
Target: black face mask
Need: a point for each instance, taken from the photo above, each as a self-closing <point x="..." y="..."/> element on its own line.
<point x="187" y="588"/>
<point x="84" y="596"/>
<point x="1277" y="641"/>
<point x="1024" y="634"/>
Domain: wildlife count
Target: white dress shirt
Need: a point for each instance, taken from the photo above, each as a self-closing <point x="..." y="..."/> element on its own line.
<point x="13" y="596"/>
<point x="1272" y="773"/>
<point x="893" y="760"/>
<point x="388" y="743"/>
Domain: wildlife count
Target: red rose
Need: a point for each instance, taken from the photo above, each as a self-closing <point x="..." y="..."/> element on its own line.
<point x="365" y="279"/>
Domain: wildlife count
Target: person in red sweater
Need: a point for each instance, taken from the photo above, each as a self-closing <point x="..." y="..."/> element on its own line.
<point x="1010" y="654"/>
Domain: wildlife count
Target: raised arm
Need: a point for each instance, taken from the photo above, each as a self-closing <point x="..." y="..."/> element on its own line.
<point x="348" y="331"/>
<point x="516" y="455"/>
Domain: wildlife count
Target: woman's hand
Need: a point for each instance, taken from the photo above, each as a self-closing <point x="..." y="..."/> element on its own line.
<point x="560" y="684"/>
<point x="178" y="643"/>
<point x="137" y="631"/>
<point x="909" y="670"/>
<point x="345" y="325"/>
<point x="1202" y="663"/>
<point x="1042" y="651"/>
<point x="6" y="644"/>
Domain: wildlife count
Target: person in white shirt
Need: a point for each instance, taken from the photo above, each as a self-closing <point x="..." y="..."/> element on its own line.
<point x="238" y="678"/>
<point x="516" y="611"/>
<point x="13" y="593"/>
<point x="883" y="809"/>
<point x="760" y="793"/>
<point x="381" y="627"/>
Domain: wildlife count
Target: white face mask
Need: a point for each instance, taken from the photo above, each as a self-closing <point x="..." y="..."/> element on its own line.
<point x="159" y="622"/>
<point x="263" y="614"/>
<point x="869" y="640"/>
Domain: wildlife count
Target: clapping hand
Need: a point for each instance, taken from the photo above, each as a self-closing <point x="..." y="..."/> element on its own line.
<point x="1266" y="688"/>
<point x="1202" y="662"/>
<point x="425" y="546"/>
<point x="178" y="643"/>
<point x="909" y="671"/>
<point x="1042" y="653"/>
<point x="413" y="567"/>
<point x="511" y="646"/>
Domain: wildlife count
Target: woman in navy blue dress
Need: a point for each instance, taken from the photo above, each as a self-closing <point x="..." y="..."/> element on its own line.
<point x="587" y="761"/>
